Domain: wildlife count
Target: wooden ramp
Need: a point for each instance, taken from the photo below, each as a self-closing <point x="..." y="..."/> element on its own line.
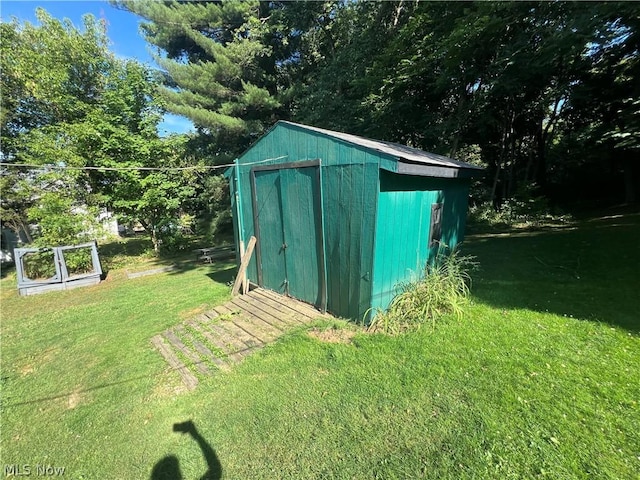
<point x="225" y="335"/>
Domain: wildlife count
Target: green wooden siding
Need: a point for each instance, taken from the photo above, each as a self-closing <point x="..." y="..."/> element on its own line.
<point x="290" y="237"/>
<point x="300" y="190"/>
<point x="375" y="221"/>
<point x="350" y="202"/>
<point x="403" y="225"/>
<point x="350" y="186"/>
<point x="271" y="222"/>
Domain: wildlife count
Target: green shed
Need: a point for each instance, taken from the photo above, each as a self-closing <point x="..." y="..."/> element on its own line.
<point x="339" y="219"/>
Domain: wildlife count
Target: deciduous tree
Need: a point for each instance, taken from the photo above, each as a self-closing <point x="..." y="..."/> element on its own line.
<point x="86" y="122"/>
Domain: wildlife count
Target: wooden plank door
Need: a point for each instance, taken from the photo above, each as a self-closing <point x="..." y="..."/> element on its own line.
<point x="289" y="229"/>
<point x="302" y="220"/>
<point x="272" y="271"/>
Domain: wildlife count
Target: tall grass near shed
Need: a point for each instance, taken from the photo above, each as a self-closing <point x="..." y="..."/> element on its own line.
<point x="442" y="289"/>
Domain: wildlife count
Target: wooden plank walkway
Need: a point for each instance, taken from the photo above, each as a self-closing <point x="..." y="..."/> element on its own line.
<point x="228" y="333"/>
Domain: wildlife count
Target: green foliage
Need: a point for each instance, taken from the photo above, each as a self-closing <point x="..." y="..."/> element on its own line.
<point x="339" y="53"/>
<point x="53" y="73"/>
<point x="60" y="222"/>
<point x="227" y="85"/>
<point x="72" y="104"/>
<point x="78" y="261"/>
<point x="541" y="93"/>
<point x="15" y="200"/>
<point x="217" y="210"/>
<point x="156" y="198"/>
<point x="52" y="77"/>
<point x="545" y="91"/>
<point x="174" y="242"/>
<point x="39" y="265"/>
<point x="542" y="88"/>
<point x="442" y="289"/>
<point x="527" y="208"/>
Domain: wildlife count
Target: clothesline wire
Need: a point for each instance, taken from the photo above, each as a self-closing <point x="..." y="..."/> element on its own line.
<point x="163" y="169"/>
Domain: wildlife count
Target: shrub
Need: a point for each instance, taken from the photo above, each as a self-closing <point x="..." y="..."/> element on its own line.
<point x="525" y="208"/>
<point x="171" y="234"/>
<point x="174" y="242"/>
<point x="442" y="289"/>
<point x="39" y="265"/>
<point x="78" y="261"/>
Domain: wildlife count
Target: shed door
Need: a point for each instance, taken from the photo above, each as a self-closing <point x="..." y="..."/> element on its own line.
<point x="272" y="271"/>
<point x="289" y="232"/>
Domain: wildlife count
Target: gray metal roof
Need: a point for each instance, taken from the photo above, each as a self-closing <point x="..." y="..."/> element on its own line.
<point x="401" y="152"/>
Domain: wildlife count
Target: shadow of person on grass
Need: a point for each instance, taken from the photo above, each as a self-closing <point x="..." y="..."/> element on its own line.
<point x="168" y="468"/>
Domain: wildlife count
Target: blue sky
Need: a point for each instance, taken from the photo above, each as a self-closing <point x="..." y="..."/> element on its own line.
<point x="122" y="30"/>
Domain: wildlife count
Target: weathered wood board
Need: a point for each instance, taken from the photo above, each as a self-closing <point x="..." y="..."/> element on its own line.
<point x="217" y="339"/>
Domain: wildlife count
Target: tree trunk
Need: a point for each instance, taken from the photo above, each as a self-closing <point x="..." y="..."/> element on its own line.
<point x="462" y="102"/>
<point x="545" y="133"/>
<point x="454" y="146"/>
<point x="20" y="227"/>
<point x="512" y="164"/>
<point x="541" y="165"/>
<point x="27" y="232"/>
<point x="503" y="159"/>
<point x="155" y="240"/>
<point x="527" y="170"/>
<point x="629" y="181"/>
<point x="151" y="229"/>
<point x="494" y="187"/>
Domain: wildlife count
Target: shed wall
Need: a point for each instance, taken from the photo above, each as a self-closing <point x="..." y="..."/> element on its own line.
<point x="403" y="225"/>
<point x="349" y="206"/>
<point x="349" y="184"/>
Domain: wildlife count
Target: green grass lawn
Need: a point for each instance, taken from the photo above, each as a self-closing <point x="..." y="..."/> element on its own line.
<point x="539" y="379"/>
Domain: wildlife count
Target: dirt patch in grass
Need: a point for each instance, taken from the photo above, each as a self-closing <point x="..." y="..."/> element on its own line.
<point x="26" y="370"/>
<point x="189" y="314"/>
<point x="74" y="399"/>
<point x="36" y="361"/>
<point x="333" y="335"/>
<point x="167" y="386"/>
<point x="78" y="397"/>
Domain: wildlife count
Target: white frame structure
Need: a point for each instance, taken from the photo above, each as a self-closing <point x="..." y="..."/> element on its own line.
<point x="61" y="280"/>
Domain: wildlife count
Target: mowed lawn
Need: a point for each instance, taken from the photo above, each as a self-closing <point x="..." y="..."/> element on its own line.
<point x="539" y="379"/>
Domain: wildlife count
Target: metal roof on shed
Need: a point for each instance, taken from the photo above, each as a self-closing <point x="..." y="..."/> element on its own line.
<point x="412" y="158"/>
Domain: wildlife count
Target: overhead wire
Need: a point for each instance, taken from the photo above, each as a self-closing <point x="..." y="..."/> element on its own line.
<point x="155" y="169"/>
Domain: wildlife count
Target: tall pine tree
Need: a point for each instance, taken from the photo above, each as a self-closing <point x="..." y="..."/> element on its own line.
<point x="219" y="65"/>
